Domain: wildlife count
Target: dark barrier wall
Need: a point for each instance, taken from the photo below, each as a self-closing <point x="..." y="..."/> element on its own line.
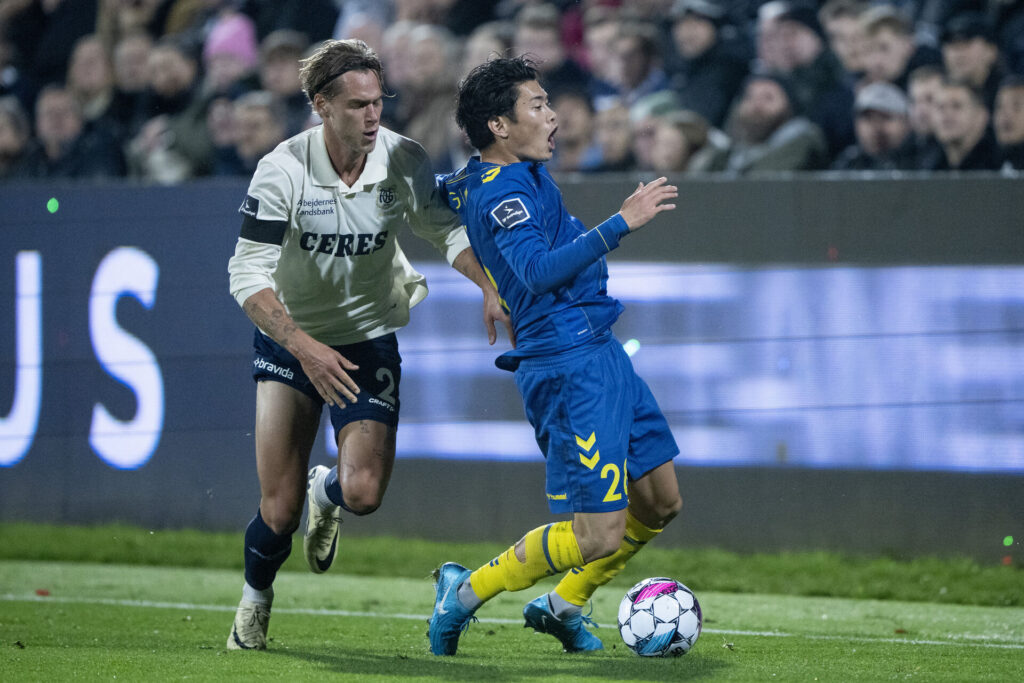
<point x="124" y="393"/>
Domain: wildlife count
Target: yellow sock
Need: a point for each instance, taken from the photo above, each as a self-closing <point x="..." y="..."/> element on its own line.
<point x="580" y="583"/>
<point x="550" y="549"/>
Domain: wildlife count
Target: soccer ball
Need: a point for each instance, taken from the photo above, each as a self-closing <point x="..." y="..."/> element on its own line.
<point x="659" y="617"/>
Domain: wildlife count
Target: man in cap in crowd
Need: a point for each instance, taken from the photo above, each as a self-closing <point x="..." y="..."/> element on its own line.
<point x="882" y="125"/>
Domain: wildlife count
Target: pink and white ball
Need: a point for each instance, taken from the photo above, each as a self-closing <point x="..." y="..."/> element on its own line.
<point x="659" y="617"/>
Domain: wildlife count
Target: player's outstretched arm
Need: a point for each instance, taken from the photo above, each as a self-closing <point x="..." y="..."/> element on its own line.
<point x="647" y="201"/>
<point x="467" y="264"/>
<point x="325" y="367"/>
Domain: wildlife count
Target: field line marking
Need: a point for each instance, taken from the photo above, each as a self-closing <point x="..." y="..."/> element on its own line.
<point x="119" y="602"/>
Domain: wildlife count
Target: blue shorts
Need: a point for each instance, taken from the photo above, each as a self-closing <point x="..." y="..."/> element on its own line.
<point x="597" y="424"/>
<point x="378" y="376"/>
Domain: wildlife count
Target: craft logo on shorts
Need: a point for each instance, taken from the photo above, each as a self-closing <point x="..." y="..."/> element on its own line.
<point x="385" y="196"/>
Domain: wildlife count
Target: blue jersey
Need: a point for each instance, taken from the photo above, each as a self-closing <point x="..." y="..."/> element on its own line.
<point x="549" y="270"/>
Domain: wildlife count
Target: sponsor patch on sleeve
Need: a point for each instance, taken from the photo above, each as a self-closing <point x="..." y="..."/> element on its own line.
<point x="510" y="212"/>
<point x="250" y="206"/>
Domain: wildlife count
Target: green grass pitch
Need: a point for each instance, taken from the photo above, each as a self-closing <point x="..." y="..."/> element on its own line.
<point x="366" y="621"/>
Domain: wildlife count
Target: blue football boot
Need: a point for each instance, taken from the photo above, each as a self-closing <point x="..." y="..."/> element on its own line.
<point x="450" y="617"/>
<point x="571" y="631"/>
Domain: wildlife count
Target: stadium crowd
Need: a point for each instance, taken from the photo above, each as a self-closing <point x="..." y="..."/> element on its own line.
<point x="163" y="91"/>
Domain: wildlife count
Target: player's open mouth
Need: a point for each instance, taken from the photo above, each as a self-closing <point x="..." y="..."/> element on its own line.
<point x="551" y="139"/>
<point x="370" y="134"/>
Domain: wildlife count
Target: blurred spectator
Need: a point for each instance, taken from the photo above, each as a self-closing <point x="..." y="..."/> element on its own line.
<point x="462" y="17"/>
<point x="841" y="20"/>
<point x="151" y="155"/>
<point x="428" y="98"/>
<point x="397" y="62"/>
<point x="131" y="79"/>
<point x="962" y="129"/>
<point x="923" y="87"/>
<point x="12" y="78"/>
<point x="1008" y="121"/>
<point x="315" y="18"/>
<point x="1010" y="32"/>
<point x="222" y="129"/>
<point x="818" y="79"/>
<point x="575" y="148"/>
<point x="173" y="75"/>
<point x="230" y="56"/>
<point x="537" y="33"/>
<point x="116" y="19"/>
<point x="637" y="63"/>
<point x="66" y="149"/>
<point x="891" y="51"/>
<point x="708" y="71"/>
<point x="600" y="27"/>
<point x="44" y="33"/>
<point x="882" y="125"/>
<point x="362" y="24"/>
<point x="485" y="42"/>
<point x="767" y="133"/>
<point x="91" y="80"/>
<point x="280" y="53"/>
<point x="971" y="54"/>
<point x="770" y="49"/>
<point x="614" y="138"/>
<point x="684" y="142"/>
<point x="643" y="118"/>
<point x="15" y="134"/>
<point x="259" y="121"/>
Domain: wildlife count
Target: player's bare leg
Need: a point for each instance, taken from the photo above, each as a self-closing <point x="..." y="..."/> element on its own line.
<point x="653" y="501"/>
<point x="366" y="457"/>
<point x="286" y="425"/>
<point x="654" y="498"/>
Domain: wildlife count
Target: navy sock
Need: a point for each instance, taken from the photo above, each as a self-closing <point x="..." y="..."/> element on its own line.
<point x="333" y="488"/>
<point x="265" y="552"/>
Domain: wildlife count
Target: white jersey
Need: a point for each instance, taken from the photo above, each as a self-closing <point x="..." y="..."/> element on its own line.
<point x="329" y="251"/>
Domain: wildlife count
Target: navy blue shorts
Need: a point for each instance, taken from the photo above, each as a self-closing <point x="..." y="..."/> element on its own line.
<point x="378" y="376"/>
<point x="597" y="423"/>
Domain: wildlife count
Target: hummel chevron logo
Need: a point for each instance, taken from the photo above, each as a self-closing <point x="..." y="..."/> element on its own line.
<point x="591" y="462"/>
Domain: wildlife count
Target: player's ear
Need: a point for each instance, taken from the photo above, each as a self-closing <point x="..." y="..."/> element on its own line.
<point x="319" y="102"/>
<point x="498" y="126"/>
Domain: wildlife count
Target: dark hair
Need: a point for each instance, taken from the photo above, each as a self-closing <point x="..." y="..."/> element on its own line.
<point x="331" y="59"/>
<point x="490" y="90"/>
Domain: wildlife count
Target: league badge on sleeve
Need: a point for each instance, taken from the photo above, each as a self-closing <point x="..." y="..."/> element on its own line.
<point x="510" y="212"/>
<point x="250" y="207"/>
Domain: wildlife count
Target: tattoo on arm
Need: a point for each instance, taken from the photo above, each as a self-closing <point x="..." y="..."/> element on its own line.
<point x="273" y="319"/>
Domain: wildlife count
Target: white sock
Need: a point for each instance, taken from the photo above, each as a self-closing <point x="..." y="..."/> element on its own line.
<point x="263" y="597"/>
<point x="320" y="498"/>
<point x="467" y="597"/>
<point x="561" y="607"/>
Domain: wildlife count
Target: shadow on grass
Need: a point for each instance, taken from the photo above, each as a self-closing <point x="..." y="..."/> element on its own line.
<point x="506" y="667"/>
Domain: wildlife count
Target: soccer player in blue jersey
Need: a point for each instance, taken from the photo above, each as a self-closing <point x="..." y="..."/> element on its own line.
<point x="595" y="420"/>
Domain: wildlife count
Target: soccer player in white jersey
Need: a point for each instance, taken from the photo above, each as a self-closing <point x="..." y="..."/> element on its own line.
<point x="317" y="268"/>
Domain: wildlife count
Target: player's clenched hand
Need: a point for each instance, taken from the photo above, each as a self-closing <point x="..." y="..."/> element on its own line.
<point x="326" y="369"/>
<point x="647" y="202"/>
